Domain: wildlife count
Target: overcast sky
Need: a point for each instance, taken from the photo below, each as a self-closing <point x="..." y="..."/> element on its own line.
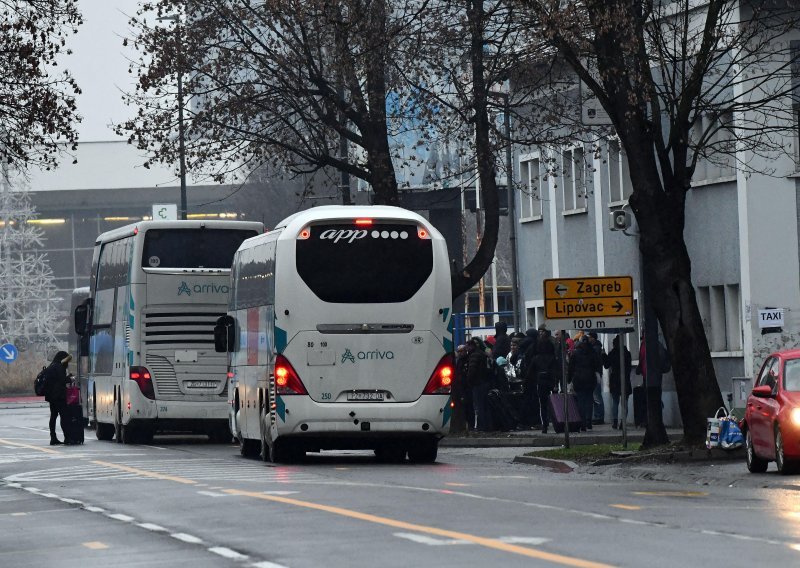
<point x="100" y="66"/>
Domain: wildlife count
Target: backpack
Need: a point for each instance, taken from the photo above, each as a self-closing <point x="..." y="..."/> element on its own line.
<point x="39" y="381"/>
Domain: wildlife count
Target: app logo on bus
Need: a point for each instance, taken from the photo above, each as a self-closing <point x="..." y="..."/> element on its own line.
<point x="366" y="355"/>
<point x="209" y="288"/>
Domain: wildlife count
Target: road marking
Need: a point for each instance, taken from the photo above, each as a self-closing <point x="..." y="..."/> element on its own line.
<point x="212" y="494"/>
<point x="95" y="545"/>
<point x="672" y="493"/>
<point x="429" y="540"/>
<point x="482" y="541"/>
<point x="152" y="527"/>
<point x="278" y="492"/>
<point x="187" y="538"/>
<point x="266" y="564"/>
<point x="459" y="484"/>
<point x="19" y="514"/>
<point x="530" y="540"/>
<point x="121" y="517"/>
<point x="146" y="473"/>
<point x="228" y="553"/>
<point x="95" y="509"/>
<point x="37" y="448"/>
<point x="626" y="507"/>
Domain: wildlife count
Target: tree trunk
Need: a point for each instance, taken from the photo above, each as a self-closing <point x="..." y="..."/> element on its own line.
<point x="667" y="271"/>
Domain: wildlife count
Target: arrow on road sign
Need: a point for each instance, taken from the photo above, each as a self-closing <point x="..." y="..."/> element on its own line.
<point x="618" y="306"/>
<point x="561" y="289"/>
<point x="8" y="353"/>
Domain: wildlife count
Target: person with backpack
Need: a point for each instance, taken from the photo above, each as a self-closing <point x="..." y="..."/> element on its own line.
<point x="480" y="382"/>
<point x="584" y="364"/>
<point x="55" y="392"/>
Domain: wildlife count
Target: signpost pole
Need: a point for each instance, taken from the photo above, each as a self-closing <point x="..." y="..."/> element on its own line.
<point x="564" y="395"/>
<point x="623" y="380"/>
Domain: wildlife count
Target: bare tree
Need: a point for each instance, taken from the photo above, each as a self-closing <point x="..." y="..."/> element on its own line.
<point x="683" y="83"/>
<point x="37" y="103"/>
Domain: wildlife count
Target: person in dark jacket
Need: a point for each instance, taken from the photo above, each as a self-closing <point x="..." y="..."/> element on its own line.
<point x="479" y="382"/>
<point x="55" y="391"/>
<point x="584" y="363"/>
<point x="546" y="367"/>
<point x="611" y="361"/>
<point x="502" y="341"/>
<point x="599" y="407"/>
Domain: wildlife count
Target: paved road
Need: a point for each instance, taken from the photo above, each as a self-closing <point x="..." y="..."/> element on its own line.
<point x="185" y="502"/>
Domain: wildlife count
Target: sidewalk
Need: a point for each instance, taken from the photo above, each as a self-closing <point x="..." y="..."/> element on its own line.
<point x="22" y="401"/>
<point x="599" y="434"/>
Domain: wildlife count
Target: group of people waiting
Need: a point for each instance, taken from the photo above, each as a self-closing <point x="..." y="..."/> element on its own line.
<point x="534" y="359"/>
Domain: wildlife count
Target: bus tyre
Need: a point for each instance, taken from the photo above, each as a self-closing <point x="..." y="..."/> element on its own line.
<point x="249" y="448"/>
<point x="104" y="432"/>
<point x="424" y="452"/>
<point x="280" y="451"/>
<point x="127" y="434"/>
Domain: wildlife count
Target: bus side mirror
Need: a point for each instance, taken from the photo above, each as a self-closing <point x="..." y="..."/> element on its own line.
<point x="224" y="336"/>
<point x="82" y="318"/>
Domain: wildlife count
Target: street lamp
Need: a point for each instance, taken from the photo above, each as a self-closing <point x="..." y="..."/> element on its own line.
<point x="181" y="147"/>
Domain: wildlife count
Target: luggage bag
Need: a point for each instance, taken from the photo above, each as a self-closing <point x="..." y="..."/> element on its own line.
<point x="504" y="413"/>
<point x="72" y="424"/>
<point x="556" y="405"/>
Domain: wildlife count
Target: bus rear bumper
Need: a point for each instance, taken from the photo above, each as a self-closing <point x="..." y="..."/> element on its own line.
<point x="302" y="417"/>
<point x="180" y="410"/>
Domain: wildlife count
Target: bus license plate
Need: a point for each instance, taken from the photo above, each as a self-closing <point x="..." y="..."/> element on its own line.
<point x="201" y="384"/>
<point x="367" y="396"/>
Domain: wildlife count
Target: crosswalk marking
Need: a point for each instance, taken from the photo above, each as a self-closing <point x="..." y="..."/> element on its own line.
<point x="432" y="541"/>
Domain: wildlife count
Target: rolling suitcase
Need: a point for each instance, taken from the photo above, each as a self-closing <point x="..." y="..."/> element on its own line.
<point x="639" y="406"/>
<point x="72" y="422"/>
<point x="556" y="406"/>
<point x="504" y="416"/>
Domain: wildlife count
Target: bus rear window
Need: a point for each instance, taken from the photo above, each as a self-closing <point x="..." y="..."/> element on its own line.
<point x="382" y="264"/>
<point x="192" y="248"/>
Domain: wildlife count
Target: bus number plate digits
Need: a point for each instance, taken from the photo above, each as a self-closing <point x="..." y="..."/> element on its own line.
<point x="366" y="396"/>
<point x="201" y="384"/>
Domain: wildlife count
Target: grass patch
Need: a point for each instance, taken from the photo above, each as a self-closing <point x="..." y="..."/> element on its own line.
<point x="582" y="453"/>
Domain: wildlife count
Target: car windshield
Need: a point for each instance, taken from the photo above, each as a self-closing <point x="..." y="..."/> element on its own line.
<point x="791" y="375"/>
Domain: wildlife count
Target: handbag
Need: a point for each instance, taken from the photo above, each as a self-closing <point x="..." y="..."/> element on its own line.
<point x="73" y="395"/>
<point x="713" y="427"/>
<point x="730" y="435"/>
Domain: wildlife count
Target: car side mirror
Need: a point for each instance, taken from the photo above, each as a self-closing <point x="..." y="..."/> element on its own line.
<point x="763" y="391"/>
<point x="224" y="336"/>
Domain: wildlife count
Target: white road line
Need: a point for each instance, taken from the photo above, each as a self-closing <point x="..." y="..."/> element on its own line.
<point x="187" y="538"/>
<point x="429" y="540"/>
<point x="49" y="495"/>
<point x="71" y="501"/>
<point x="152" y="527"/>
<point x="529" y="540"/>
<point x="95" y="509"/>
<point x="266" y="564"/>
<point x="213" y="494"/>
<point x="279" y="492"/>
<point x="121" y="517"/>
<point x="228" y="553"/>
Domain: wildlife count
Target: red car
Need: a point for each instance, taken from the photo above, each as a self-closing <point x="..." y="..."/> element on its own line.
<point x="772" y="420"/>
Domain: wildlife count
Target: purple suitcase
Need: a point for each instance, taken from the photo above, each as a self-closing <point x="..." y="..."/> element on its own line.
<point x="556" y="405"/>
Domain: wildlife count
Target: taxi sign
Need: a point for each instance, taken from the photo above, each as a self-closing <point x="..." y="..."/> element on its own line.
<point x="590" y="302"/>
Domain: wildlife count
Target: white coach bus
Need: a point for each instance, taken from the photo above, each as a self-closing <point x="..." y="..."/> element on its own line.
<point x="340" y="336"/>
<point x="156" y="290"/>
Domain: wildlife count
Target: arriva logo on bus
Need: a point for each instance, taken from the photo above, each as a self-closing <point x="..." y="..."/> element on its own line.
<point x="366" y="355"/>
<point x="185" y="288"/>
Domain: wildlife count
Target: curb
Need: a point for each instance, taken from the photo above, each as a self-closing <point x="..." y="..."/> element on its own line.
<point x="543" y="441"/>
<point x="558" y="466"/>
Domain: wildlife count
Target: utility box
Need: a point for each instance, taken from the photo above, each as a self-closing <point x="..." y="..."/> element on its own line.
<point x="741" y="387"/>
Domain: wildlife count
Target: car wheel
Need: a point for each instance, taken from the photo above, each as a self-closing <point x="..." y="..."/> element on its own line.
<point x="784" y="467"/>
<point x="754" y="463"/>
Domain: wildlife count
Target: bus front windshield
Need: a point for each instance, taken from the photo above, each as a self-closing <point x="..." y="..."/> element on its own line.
<point x="192" y="248"/>
<point x="382" y="263"/>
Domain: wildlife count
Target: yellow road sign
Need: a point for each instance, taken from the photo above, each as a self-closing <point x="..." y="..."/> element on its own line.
<point x="589" y="297"/>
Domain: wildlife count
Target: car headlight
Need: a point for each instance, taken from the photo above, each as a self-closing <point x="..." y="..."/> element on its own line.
<point x="795" y="416"/>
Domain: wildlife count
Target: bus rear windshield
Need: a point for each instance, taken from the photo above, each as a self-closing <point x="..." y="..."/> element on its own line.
<point x="381" y="264"/>
<point x="192" y="248"/>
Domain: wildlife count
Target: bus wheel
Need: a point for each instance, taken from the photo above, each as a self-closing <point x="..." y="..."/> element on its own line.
<point x="282" y="452"/>
<point x="104" y="432"/>
<point x="391" y="453"/>
<point x="249" y="448"/>
<point x="264" y="453"/>
<point x="423" y="452"/>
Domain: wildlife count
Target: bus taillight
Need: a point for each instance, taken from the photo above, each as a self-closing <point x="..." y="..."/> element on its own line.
<point x="287" y="381"/>
<point x="142" y="377"/>
<point x="441" y="381"/>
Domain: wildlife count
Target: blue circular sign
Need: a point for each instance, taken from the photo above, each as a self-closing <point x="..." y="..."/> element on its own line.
<point x="8" y="353"/>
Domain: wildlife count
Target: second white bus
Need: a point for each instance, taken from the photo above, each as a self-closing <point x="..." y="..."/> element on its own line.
<point x="339" y="331"/>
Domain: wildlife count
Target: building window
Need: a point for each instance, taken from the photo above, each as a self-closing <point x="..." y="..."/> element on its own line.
<point x="574" y="179"/>
<point x="714" y="137"/>
<point x="534" y="178"/>
<point x="721" y="313"/>
<point x="618" y="174"/>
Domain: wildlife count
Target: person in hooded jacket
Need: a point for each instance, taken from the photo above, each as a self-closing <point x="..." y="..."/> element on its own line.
<point x="584" y="363"/>
<point x="611" y="361"/>
<point x="55" y="391"/>
<point x="480" y="383"/>
<point x="502" y="341"/>
<point x="547" y="369"/>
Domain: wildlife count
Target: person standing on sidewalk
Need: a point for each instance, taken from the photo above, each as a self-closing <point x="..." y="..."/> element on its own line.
<point x="502" y="341"/>
<point x="479" y="381"/>
<point x="547" y="373"/>
<point x="611" y="361"/>
<point x="583" y="366"/>
<point x="598" y="406"/>
<point x="55" y="392"/>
